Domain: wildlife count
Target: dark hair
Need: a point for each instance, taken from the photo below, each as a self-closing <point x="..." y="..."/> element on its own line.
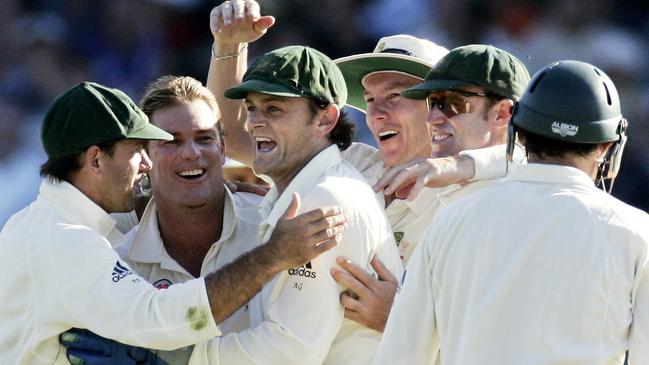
<point x="343" y="133"/>
<point x="61" y="168"/>
<point x="542" y="147"/>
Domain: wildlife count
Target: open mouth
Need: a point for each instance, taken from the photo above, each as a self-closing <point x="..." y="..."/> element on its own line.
<point x="385" y="135"/>
<point x="440" y="137"/>
<point x="192" y="174"/>
<point x="265" y="144"/>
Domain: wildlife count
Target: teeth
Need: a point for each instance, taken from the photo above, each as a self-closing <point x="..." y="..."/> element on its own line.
<point x="262" y="139"/>
<point x="440" y="137"/>
<point x="191" y="172"/>
<point x="387" y="133"/>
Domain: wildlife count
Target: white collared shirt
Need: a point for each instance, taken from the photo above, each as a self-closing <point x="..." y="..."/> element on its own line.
<point x="410" y="219"/>
<point x="297" y="318"/>
<point x="542" y="268"/>
<point x="59" y="271"/>
<point x="145" y="253"/>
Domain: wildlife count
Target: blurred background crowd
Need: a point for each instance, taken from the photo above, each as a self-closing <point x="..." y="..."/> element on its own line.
<point x="50" y="45"/>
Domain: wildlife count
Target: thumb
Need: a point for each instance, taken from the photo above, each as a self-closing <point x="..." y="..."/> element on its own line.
<point x="383" y="273"/>
<point x="293" y="208"/>
<point x="261" y="25"/>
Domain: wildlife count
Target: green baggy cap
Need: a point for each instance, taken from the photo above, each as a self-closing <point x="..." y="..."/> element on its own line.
<point x="90" y="114"/>
<point x="498" y="71"/>
<point x="293" y="71"/>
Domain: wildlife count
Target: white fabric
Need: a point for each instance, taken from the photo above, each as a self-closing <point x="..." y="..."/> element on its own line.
<point x="59" y="271"/>
<point x="146" y="255"/>
<point x="410" y="219"/>
<point x="297" y="318"/>
<point x="542" y="268"/>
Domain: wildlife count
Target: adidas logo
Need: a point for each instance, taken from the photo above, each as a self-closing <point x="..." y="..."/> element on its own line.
<point x="304" y="270"/>
<point x="120" y="272"/>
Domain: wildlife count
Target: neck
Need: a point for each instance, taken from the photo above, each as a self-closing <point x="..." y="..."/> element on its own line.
<point x="282" y="180"/>
<point x="585" y="164"/>
<point x="189" y="232"/>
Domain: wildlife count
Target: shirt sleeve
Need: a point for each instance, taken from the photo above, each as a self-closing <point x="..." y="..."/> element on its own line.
<point x="491" y="162"/>
<point x="361" y="156"/>
<point x="639" y="335"/>
<point x="94" y="289"/>
<point x="411" y="335"/>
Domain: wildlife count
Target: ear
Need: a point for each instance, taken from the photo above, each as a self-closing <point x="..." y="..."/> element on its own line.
<point x="92" y="160"/>
<point x="326" y="120"/>
<point x="501" y="113"/>
<point x="602" y="150"/>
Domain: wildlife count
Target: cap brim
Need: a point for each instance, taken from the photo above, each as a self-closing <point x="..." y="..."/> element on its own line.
<point x="240" y="91"/>
<point x="422" y="90"/>
<point x="355" y="67"/>
<point x="149" y="131"/>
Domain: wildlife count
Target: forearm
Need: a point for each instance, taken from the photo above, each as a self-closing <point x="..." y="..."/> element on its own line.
<point x="225" y="72"/>
<point x="236" y="283"/>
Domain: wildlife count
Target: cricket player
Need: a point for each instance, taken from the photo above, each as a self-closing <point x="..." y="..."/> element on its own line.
<point x="543" y="268"/>
<point x="375" y="82"/>
<point x="293" y="97"/>
<point x="60" y="270"/>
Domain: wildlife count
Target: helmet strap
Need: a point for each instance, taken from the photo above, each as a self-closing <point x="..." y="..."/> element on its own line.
<point x="609" y="169"/>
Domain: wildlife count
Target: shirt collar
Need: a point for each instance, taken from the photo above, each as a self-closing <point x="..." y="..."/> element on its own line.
<point x="147" y="244"/>
<point x="549" y="173"/>
<point x="273" y="206"/>
<point x="75" y="207"/>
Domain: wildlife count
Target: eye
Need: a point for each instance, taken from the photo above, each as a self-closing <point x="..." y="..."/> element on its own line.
<point x="206" y="139"/>
<point x="394" y="95"/>
<point x="369" y="99"/>
<point x="273" y="109"/>
<point x="250" y="108"/>
<point x="170" y="143"/>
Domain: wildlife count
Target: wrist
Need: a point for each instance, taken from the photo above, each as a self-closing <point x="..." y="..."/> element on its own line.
<point x="220" y="49"/>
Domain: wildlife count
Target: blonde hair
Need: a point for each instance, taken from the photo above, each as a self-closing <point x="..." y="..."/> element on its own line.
<point x="172" y="90"/>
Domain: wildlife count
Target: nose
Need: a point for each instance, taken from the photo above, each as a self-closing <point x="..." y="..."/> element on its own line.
<point x="376" y="111"/>
<point x="254" y="120"/>
<point x="190" y="150"/>
<point x="435" y="117"/>
<point x="145" y="162"/>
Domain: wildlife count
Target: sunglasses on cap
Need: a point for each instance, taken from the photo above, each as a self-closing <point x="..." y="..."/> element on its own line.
<point x="453" y="102"/>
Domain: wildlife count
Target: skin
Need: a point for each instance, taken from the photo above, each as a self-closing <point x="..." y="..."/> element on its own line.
<point x="388" y="111"/>
<point x="287" y="134"/>
<point x="477" y="129"/>
<point x="109" y="180"/>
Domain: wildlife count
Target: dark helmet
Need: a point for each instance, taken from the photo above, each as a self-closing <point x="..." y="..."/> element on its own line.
<point x="571" y="101"/>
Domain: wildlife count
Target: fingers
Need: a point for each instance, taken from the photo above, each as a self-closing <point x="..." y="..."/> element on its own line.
<point x="261" y="25"/>
<point x="365" y="279"/>
<point x="327" y="245"/>
<point x="238" y="9"/>
<point x="349" y="281"/>
<point x="383" y="273"/>
<point x="404" y="178"/>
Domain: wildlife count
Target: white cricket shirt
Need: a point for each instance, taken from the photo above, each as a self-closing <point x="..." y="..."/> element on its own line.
<point x="297" y="318"/>
<point x="145" y="254"/>
<point x="542" y="268"/>
<point x="59" y="271"/>
<point x="410" y="219"/>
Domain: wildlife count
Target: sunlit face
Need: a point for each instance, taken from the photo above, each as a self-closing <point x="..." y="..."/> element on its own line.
<point x="465" y="131"/>
<point x="121" y="171"/>
<point x="398" y="124"/>
<point x="188" y="170"/>
<point x="284" y="132"/>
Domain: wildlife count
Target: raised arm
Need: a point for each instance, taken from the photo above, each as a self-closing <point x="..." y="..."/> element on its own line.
<point x="234" y="24"/>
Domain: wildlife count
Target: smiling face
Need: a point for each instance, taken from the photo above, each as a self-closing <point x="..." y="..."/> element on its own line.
<point x="285" y="133"/>
<point x="473" y="129"/>
<point x="398" y="124"/>
<point x="188" y="171"/>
